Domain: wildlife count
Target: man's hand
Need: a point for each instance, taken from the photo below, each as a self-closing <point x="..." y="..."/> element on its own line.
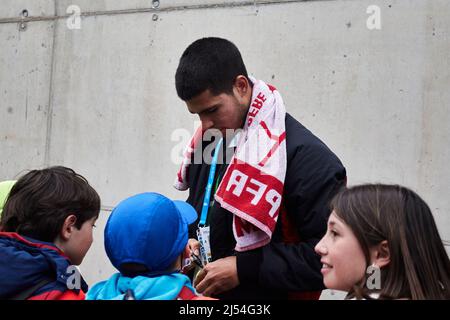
<point x="193" y="247"/>
<point x="217" y="276"/>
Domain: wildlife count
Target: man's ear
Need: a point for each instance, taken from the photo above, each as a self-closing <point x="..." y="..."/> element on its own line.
<point x="380" y="254"/>
<point x="242" y="88"/>
<point x="68" y="226"/>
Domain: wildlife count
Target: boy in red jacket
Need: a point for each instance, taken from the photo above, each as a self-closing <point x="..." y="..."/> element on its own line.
<point x="46" y="229"/>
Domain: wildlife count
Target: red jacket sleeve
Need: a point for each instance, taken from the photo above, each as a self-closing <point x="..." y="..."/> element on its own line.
<point x="58" y="295"/>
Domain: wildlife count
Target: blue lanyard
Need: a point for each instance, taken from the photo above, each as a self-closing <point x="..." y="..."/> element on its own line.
<point x="212" y="173"/>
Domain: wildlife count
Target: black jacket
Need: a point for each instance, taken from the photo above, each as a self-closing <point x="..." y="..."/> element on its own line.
<point x="288" y="263"/>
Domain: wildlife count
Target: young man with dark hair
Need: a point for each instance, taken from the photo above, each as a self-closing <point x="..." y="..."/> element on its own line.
<point x="267" y="213"/>
<point x="46" y="227"/>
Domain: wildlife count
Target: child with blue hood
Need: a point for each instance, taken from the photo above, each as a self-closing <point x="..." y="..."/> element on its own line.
<point x="145" y="239"/>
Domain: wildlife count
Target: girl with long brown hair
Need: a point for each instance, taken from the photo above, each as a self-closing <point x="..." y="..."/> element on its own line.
<point x="384" y="231"/>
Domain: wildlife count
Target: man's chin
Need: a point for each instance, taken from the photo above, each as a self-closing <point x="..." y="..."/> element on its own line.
<point x="225" y="132"/>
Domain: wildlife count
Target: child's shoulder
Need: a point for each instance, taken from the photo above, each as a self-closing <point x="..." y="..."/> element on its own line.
<point x="60" y="295"/>
<point x="187" y="294"/>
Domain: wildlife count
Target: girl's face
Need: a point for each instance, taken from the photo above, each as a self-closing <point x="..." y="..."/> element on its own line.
<point x="343" y="261"/>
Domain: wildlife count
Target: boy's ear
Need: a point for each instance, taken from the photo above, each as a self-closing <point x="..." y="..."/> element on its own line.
<point x="68" y="225"/>
<point x="381" y="255"/>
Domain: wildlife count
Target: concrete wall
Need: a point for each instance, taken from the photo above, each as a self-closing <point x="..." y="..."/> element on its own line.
<point x="101" y="99"/>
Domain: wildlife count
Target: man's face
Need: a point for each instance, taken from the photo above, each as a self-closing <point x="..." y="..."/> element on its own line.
<point x="222" y="111"/>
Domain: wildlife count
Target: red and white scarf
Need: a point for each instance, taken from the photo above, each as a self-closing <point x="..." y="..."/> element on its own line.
<point x="252" y="186"/>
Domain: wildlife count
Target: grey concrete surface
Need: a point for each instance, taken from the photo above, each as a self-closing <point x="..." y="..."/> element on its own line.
<point x="101" y="99"/>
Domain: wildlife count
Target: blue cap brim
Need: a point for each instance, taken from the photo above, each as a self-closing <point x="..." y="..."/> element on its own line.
<point x="187" y="211"/>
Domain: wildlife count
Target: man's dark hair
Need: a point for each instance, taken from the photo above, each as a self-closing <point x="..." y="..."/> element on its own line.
<point x="41" y="200"/>
<point x="208" y="63"/>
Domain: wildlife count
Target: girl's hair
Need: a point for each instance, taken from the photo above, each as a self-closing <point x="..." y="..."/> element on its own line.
<point x="41" y="200"/>
<point x="419" y="266"/>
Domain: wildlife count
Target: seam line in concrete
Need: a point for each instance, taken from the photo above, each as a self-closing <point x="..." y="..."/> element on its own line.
<point x="50" y="98"/>
<point x="107" y="208"/>
<point x="254" y="3"/>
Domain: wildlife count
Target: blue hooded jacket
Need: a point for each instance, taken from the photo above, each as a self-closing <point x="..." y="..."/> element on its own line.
<point x="164" y="287"/>
<point x="25" y="262"/>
